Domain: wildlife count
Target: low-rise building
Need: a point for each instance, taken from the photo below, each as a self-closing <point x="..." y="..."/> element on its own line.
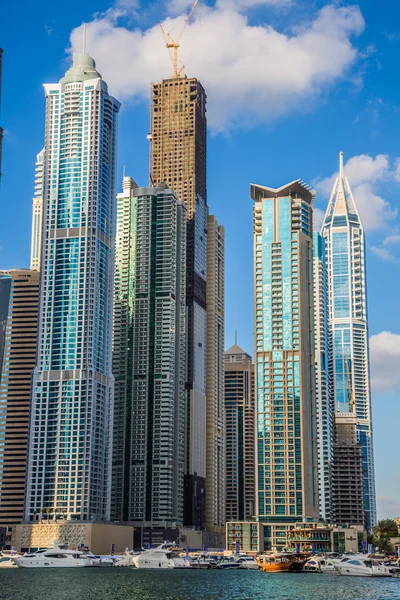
<point x="100" y="538"/>
<point x="246" y="536"/>
<point x="319" y="537"/>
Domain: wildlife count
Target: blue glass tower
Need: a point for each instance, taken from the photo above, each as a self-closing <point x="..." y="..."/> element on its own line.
<point x="286" y="477"/>
<point x="348" y="322"/>
<point x="72" y="396"/>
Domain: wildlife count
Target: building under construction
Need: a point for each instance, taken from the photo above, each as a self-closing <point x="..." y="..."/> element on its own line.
<point x="348" y="475"/>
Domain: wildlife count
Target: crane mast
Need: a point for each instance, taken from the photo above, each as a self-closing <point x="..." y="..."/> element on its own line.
<point x="173" y="45"/>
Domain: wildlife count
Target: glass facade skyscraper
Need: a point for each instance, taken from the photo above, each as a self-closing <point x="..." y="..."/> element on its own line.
<point x="323" y="397"/>
<point x="286" y="477"/>
<point x="348" y="322"/>
<point x="72" y="397"/>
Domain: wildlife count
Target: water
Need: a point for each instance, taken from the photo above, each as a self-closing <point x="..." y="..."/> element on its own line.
<point x="131" y="584"/>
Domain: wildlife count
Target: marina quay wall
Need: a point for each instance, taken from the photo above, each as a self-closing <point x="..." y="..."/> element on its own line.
<point x="98" y="537"/>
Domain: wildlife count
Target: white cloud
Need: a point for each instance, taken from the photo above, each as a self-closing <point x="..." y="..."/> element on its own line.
<point x="318" y="218"/>
<point x="384" y="254"/>
<point x="385" y="361"/>
<point x="388" y="507"/>
<point x="397" y="169"/>
<point x="364" y="173"/>
<point x="251" y="73"/>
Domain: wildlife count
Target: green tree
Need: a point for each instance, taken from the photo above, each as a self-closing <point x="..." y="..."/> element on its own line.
<point x="385" y="528"/>
<point x="384" y="545"/>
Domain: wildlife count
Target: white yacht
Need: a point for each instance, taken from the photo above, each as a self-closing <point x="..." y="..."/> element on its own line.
<point x="126" y="559"/>
<point x="7" y="561"/>
<point x="362" y="566"/>
<point x="161" y="557"/>
<point x="55" y="557"/>
<point x="247" y="562"/>
<point x="320" y="564"/>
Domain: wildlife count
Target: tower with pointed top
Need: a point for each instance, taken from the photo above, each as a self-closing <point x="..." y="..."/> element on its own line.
<point x="348" y="322"/>
<point x="69" y="463"/>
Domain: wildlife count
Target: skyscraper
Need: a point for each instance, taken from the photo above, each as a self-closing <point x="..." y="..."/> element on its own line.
<point x="215" y="441"/>
<point x="324" y="401"/>
<point x="19" y="303"/>
<point x="240" y="435"/>
<point x="125" y="253"/>
<point x="287" y="488"/>
<point x="156" y="280"/>
<point x="72" y="399"/>
<point x="37" y="213"/>
<point x="1" y="129"/>
<point x="348" y="321"/>
<point x="178" y="157"/>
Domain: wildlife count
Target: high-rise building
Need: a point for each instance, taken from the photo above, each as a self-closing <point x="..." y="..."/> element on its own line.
<point x="125" y="249"/>
<point x="37" y="210"/>
<point x="348" y="322"/>
<point x="240" y="435"/>
<point x="19" y="302"/>
<point x="178" y="157"/>
<point x="347" y="472"/>
<point x="156" y="289"/>
<point x="215" y="440"/>
<point x="324" y="402"/>
<point x="72" y="397"/>
<point x="287" y="490"/>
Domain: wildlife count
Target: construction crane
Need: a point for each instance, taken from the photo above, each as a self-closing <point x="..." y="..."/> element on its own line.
<point x="174" y="44"/>
<point x="351" y="391"/>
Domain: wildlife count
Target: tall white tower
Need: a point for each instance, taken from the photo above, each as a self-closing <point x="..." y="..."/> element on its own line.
<point x="72" y="394"/>
<point x="348" y="321"/>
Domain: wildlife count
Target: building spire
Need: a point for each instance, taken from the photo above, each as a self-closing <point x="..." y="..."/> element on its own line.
<point x="235" y="336"/>
<point x="84" y="39"/>
<point x="340" y="164"/>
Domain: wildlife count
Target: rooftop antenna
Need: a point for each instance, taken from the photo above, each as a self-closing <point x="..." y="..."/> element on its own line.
<point x="340" y="164"/>
<point x="84" y="38"/>
<point x="174" y="44"/>
<point x="123" y="172"/>
<point x="236" y="336"/>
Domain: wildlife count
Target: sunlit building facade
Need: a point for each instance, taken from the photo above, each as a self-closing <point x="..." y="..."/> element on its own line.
<point x="348" y="322"/>
<point x="286" y="454"/>
<point x="72" y="397"/>
<point x="37" y="213"/>
<point x="325" y="406"/>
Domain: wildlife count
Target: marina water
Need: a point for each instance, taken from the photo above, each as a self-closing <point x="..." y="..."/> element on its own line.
<point x="131" y="584"/>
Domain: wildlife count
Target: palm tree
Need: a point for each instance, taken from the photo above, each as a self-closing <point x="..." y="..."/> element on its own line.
<point x="384" y="545"/>
<point x="385" y="528"/>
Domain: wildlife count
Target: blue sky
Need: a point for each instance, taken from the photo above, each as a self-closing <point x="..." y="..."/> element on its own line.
<point x="289" y="83"/>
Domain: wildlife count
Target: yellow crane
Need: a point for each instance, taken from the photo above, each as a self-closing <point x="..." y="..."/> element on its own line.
<point x="351" y="391"/>
<point x="174" y="44"/>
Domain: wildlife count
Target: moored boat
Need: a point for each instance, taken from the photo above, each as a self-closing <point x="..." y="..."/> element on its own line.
<point x="362" y="566"/>
<point x="164" y="556"/>
<point x="276" y="562"/>
<point x="55" y="557"/>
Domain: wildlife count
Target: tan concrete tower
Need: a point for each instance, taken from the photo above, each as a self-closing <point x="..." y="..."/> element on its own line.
<point x="19" y="302"/>
<point x="178" y="157"/>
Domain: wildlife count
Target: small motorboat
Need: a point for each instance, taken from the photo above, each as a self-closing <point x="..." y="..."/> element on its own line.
<point x="247" y="562"/>
<point x="7" y="562"/>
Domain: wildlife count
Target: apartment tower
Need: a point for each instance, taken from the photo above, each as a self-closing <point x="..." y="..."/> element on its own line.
<point x="348" y="322"/>
<point x="325" y="406"/>
<point x="124" y="279"/>
<point x="287" y="489"/>
<point x="157" y="417"/>
<point x="178" y="158"/>
<point x="69" y="470"/>
<point x="215" y="437"/>
<point x="240" y="435"/>
<point x="37" y="214"/>
<point x="19" y="303"/>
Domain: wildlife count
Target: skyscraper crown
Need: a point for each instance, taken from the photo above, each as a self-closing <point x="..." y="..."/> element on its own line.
<point x="341" y="202"/>
<point x="83" y="68"/>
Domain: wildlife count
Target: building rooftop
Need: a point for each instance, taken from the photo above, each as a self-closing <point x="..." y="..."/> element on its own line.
<point x="296" y="188"/>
